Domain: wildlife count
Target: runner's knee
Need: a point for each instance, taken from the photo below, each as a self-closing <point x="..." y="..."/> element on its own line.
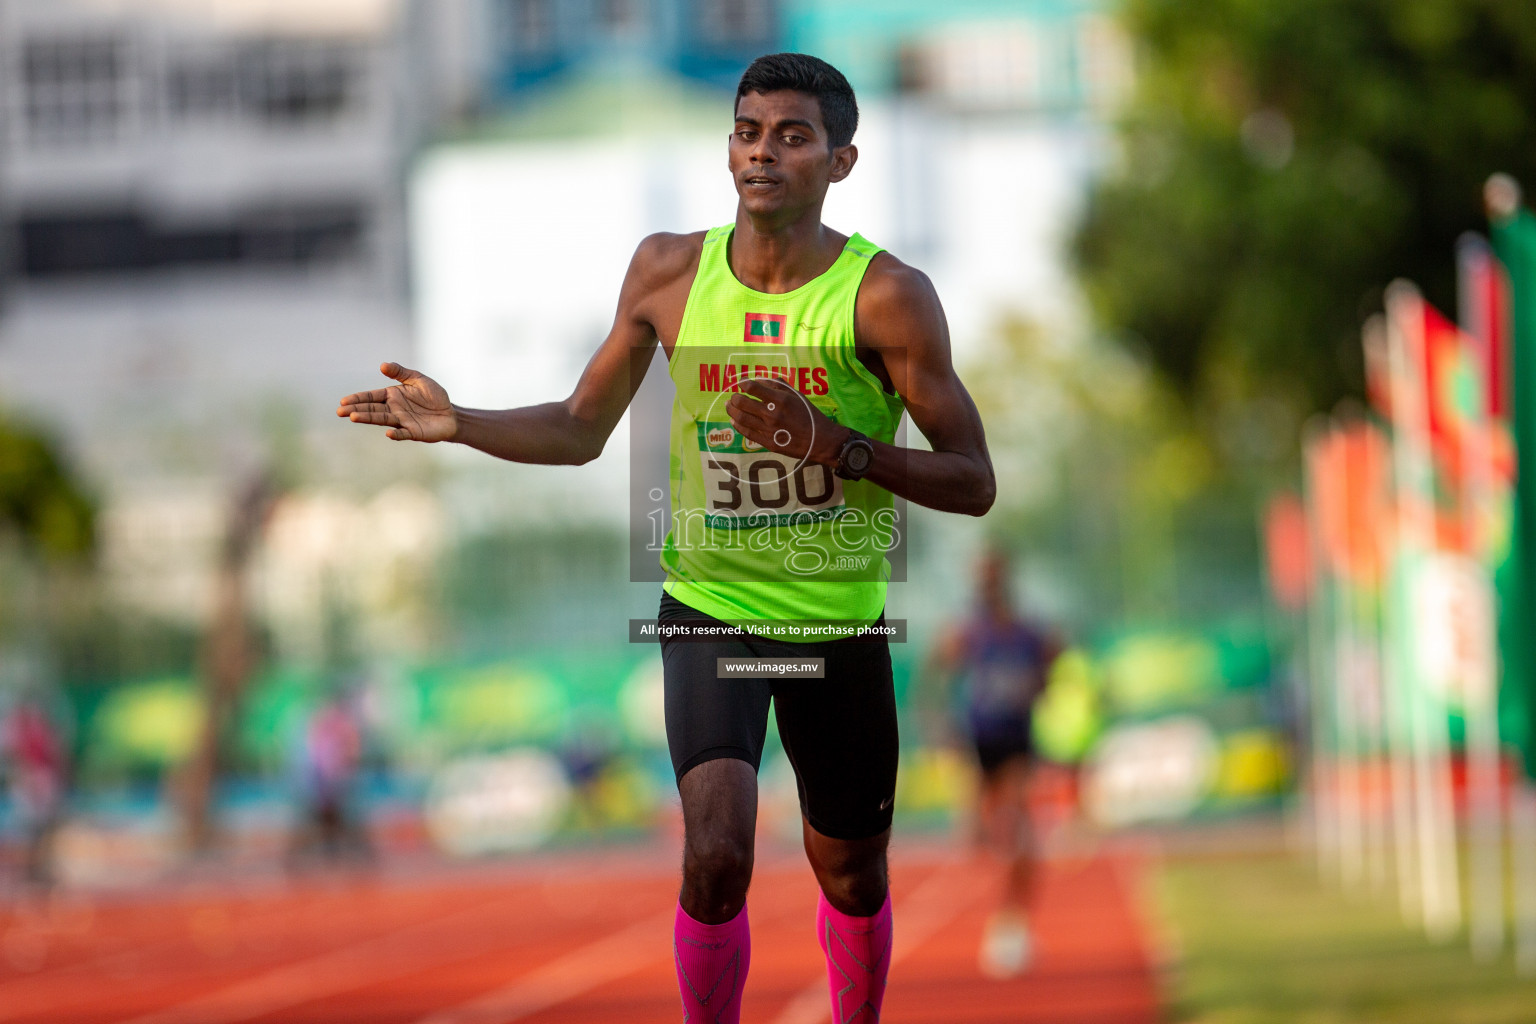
<point x="853" y="875"/>
<point x="717" y="869"/>
<point x="719" y="858"/>
<point x="858" y="892"/>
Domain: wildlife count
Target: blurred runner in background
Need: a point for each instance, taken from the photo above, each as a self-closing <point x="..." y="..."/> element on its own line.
<point x="332" y="750"/>
<point x="36" y="763"/>
<point x="1001" y="661"/>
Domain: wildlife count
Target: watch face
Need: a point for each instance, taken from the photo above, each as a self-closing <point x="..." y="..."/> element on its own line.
<point x="857" y="458"/>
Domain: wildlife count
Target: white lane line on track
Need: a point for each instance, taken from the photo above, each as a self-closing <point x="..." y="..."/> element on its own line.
<point x="572" y="975"/>
<point x="408" y="950"/>
<point x="941" y="898"/>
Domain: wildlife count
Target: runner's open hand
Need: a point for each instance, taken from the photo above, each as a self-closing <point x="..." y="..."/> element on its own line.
<point x="772" y="414"/>
<point x="416" y="410"/>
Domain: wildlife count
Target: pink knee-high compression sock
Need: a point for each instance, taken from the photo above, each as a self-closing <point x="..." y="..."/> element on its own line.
<point x="712" y="964"/>
<point x="858" y="958"/>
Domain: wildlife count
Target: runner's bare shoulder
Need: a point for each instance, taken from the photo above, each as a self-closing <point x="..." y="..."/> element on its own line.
<point x="893" y="288"/>
<point x="663" y="258"/>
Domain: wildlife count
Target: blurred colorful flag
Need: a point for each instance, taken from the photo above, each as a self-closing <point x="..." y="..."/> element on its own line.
<point x="1483" y="285"/>
<point x="1353" y="506"/>
<point x="1514" y="240"/>
<point x="1485" y="320"/>
<point x="1424" y="364"/>
<point x="1287" y="559"/>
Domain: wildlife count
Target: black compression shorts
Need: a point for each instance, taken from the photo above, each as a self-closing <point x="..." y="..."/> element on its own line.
<point x="839" y="731"/>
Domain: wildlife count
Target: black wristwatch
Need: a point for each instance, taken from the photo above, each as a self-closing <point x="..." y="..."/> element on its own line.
<point x="855" y="458"/>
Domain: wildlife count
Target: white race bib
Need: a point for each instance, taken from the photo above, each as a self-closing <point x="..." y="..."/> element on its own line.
<point x="747" y="486"/>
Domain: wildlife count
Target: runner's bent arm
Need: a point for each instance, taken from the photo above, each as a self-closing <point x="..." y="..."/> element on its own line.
<point x="574" y="431"/>
<point x="898" y="315"/>
<point x="898" y="318"/>
<point x="555" y="433"/>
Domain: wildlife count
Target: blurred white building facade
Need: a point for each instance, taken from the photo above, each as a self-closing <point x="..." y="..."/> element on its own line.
<point x="202" y="238"/>
<point x="197" y="199"/>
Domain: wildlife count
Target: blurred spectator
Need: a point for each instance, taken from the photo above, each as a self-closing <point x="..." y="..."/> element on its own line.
<point x="587" y="754"/>
<point x="36" y="757"/>
<point x="332" y="825"/>
<point x="1001" y="661"/>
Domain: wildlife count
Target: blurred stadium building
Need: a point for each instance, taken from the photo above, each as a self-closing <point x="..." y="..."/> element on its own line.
<point x="201" y="201"/>
<point x="534" y="42"/>
<point x="204" y="232"/>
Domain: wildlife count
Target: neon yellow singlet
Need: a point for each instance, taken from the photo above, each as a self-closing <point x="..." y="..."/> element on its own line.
<point x="758" y="536"/>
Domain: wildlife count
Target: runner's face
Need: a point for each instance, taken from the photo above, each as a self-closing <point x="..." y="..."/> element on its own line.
<point x="780" y="156"/>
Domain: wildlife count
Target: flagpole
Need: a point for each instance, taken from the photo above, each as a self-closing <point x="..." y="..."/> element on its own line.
<point x="1434" y="813"/>
<point x="1284" y="625"/>
<point x="1370" y="624"/>
<point x="1324" y="781"/>
<point x="1481" y="694"/>
<point x="1347" y="678"/>
<point x="1360" y="690"/>
<point x="1368" y="621"/>
<point x="1396" y="691"/>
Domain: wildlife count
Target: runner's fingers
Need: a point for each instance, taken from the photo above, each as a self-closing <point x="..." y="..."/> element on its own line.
<point x="750" y="428"/>
<point x="770" y="416"/>
<point x="382" y="418"/>
<point x="761" y="388"/>
<point x="745" y="429"/>
<point x="771" y="436"/>
<point x="772" y="396"/>
<point x="753" y="428"/>
<point x="370" y="408"/>
<point x="366" y="397"/>
<point x="746" y="409"/>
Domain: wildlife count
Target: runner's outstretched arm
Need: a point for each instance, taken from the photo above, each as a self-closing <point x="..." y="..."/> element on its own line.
<point x="571" y="432"/>
<point x="897" y="316"/>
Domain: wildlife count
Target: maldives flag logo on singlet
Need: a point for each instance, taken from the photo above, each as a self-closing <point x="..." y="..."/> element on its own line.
<point x="766" y="327"/>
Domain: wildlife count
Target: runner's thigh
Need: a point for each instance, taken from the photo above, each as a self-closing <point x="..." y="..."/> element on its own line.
<point x="840" y="735"/>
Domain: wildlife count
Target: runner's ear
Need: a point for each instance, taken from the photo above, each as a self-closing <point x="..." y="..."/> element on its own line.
<point x="843" y="159"/>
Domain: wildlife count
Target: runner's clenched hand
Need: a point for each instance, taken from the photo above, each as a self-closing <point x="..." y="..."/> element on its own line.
<point x="417" y="409"/>
<point x="770" y="413"/>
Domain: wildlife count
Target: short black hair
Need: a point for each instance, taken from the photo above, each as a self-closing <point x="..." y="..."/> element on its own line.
<point x="800" y="72"/>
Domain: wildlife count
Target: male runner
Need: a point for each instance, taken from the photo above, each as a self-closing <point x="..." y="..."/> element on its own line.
<point x="794" y="350"/>
<point x="1002" y="661"/>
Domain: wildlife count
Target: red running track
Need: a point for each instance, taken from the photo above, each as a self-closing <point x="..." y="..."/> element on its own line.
<point x="580" y="938"/>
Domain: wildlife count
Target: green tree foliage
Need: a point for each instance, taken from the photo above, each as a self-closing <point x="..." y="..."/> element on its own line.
<point x="1110" y="483"/>
<point x="1281" y="162"/>
<point x="38" y="498"/>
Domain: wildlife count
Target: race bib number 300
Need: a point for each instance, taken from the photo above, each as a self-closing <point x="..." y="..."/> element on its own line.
<point x="747" y="486"/>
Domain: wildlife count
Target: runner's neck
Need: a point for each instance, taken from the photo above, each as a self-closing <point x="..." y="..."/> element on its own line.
<point x="785" y="258"/>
